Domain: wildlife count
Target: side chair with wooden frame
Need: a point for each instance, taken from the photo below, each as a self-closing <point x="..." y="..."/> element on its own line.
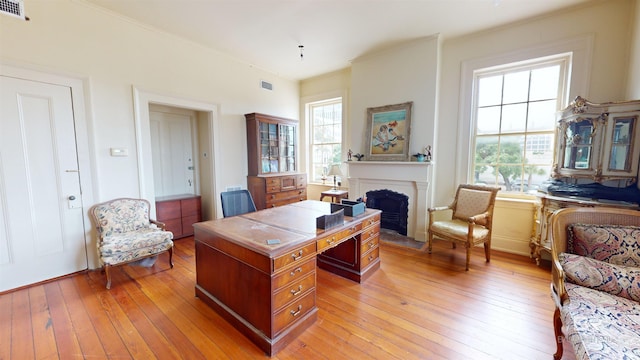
<point x="470" y="219"/>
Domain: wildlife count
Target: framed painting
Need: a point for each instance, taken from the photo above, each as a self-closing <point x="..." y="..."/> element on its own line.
<point x="387" y="133"/>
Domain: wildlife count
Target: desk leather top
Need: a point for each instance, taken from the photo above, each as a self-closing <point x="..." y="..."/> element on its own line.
<point x="293" y="225"/>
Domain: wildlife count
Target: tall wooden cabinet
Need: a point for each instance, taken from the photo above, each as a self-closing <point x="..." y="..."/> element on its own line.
<point x="272" y="150"/>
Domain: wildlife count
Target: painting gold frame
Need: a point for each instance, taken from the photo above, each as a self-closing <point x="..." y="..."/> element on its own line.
<point x="388" y="132"/>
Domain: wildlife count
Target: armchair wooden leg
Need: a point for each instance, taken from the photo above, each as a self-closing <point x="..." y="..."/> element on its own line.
<point x="487" y="250"/>
<point x="171" y="257"/>
<point x="107" y="272"/>
<point x="468" y="257"/>
<point x="557" y="329"/>
<point x="430" y="241"/>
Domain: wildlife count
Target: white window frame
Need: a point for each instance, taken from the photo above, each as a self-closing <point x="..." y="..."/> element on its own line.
<point x="580" y="47"/>
<point x="561" y="60"/>
<point x="310" y="129"/>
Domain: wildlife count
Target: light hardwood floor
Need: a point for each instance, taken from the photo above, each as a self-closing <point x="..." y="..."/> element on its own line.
<point x="417" y="306"/>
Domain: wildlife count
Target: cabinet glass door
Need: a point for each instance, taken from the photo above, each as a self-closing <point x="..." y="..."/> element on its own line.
<point x="578" y="144"/>
<point x="287" y="148"/>
<point x="623" y="130"/>
<point x="269" y="147"/>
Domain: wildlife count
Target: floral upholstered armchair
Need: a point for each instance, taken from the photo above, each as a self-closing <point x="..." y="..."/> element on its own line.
<point x="126" y="234"/>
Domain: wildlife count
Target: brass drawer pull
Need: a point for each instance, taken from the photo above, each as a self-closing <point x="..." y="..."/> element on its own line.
<point x="371" y="244"/>
<point x="295" y="313"/>
<point x="295" y="292"/>
<point x="293" y="273"/>
<point x="297" y="256"/>
<point x="331" y="241"/>
<point x="371" y="257"/>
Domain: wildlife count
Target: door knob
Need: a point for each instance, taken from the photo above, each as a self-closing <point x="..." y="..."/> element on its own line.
<point x="71" y="197"/>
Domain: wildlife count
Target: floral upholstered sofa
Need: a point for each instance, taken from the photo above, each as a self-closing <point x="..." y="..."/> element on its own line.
<point x="596" y="282"/>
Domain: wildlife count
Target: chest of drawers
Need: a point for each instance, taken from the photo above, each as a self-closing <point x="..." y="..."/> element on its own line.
<point x="277" y="190"/>
<point x="179" y="213"/>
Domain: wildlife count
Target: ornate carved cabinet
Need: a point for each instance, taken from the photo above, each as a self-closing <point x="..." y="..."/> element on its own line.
<point x="595" y="164"/>
<point x="272" y="150"/>
<point x="599" y="142"/>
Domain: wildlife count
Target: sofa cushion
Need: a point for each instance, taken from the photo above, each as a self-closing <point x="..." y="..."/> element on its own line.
<point x="600" y="325"/>
<point x="617" y="280"/>
<point x="614" y="244"/>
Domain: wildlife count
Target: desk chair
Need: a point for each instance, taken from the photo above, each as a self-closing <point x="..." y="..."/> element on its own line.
<point x="470" y="221"/>
<point x="237" y="202"/>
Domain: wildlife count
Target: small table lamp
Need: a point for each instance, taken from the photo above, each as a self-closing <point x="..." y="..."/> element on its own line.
<point x="335" y="171"/>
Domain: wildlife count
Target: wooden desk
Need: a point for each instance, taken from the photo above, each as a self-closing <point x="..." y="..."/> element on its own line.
<point x="335" y="195"/>
<point x="268" y="292"/>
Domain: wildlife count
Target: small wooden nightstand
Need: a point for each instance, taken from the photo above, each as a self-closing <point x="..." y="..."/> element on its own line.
<point x="335" y="195"/>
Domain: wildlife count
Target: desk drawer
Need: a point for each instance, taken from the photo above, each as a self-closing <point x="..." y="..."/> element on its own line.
<point x="370" y="232"/>
<point x="294" y="274"/>
<point x="371" y="221"/>
<point x="294" y="256"/>
<point x="368" y="244"/>
<point x="294" y="290"/>
<point x="369" y="257"/>
<point x="294" y="311"/>
<point x="335" y="239"/>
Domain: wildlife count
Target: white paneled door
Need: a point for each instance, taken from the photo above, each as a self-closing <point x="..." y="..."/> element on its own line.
<point x="172" y="153"/>
<point x="41" y="215"/>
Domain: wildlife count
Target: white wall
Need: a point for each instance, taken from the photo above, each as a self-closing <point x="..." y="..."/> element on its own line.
<point x="113" y="55"/>
<point x="607" y="23"/>
<point x="633" y="91"/>
<point x="406" y="72"/>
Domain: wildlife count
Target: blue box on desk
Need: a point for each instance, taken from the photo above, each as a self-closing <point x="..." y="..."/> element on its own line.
<point x="351" y="208"/>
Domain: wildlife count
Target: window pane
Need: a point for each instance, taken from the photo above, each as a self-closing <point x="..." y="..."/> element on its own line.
<point x="511" y="149"/>
<point x="490" y="90"/>
<point x="514" y="118"/>
<point x="489" y="120"/>
<point x="487" y="150"/>
<point x="539" y="149"/>
<point x="542" y="115"/>
<point x="544" y="83"/>
<point x="516" y="87"/>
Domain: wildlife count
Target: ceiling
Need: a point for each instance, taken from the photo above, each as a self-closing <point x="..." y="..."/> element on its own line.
<point x="266" y="33"/>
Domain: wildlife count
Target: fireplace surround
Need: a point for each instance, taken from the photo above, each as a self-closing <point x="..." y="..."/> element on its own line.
<point x="410" y="178"/>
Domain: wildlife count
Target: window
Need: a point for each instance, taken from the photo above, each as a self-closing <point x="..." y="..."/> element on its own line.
<point x="514" y="114"/>
<point x="326" y="136"/>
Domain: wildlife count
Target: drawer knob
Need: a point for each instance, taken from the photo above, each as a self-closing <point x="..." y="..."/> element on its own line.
<point x="295" y="313"/>
<point x="297" y="256"/>
<point x="295" y="292"/>
<point x="371" y="257"/>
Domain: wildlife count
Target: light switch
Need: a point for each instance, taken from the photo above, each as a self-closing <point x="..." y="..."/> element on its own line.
<point x="119" y="152"/>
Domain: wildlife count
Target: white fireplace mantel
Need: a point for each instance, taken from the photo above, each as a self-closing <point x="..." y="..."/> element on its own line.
<point x="409" y="178"/>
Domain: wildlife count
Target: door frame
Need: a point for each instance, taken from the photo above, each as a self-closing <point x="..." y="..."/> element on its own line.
<point x="141" y="101"/>
<point x="84" y="146"/>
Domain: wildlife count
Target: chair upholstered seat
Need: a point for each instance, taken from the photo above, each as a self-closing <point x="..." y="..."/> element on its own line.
<point x="134" y="245"/>
<point x="458" y="229"/>
<point x="126" y="233"/>
<point x="469" y="221"/>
